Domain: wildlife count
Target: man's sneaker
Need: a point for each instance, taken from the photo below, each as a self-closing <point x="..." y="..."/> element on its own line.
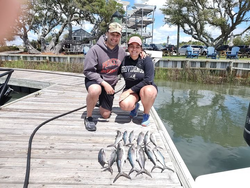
<point x="134" y="112"/>
<point x="89" y="124"/>
<point x="145" y="120"/>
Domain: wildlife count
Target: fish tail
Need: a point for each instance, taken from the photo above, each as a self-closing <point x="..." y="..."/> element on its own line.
<point x="156" y="166"/>
<point x="110" y="169"/>
<point x="144" y="171"/>
<point x="165" y="167"/>
<point x="133" y="170"/>
<point x="112" y="145"/>
<point x="121" y="174"/>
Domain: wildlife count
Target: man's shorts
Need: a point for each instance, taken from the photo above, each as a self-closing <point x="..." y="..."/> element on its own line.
<point x="105" y="100"/>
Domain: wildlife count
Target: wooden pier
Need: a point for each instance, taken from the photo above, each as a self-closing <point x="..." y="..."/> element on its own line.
<point x="64" y="154"/>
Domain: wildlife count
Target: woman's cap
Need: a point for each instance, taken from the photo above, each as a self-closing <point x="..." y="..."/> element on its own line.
<point x="135" y="39"/>
<point x="115" y="28"/>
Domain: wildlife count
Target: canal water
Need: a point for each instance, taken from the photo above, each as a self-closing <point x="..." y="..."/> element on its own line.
<point x="206" y="123"/>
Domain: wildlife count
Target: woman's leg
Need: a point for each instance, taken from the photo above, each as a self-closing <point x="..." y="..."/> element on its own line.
<point x="148" y="94"/>
<point x="128" y="103"/>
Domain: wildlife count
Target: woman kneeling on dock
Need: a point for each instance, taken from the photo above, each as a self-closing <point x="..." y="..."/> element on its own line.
<point x="139" y="81"/>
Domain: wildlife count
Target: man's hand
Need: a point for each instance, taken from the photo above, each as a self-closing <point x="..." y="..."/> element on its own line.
<point x="108" y="88"/>
<point x="143" y="54"/>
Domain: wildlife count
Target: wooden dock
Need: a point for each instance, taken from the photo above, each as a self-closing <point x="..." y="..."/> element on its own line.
<point x="64" y="153"/>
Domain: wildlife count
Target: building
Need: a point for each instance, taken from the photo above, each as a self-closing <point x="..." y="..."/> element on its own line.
<point x="139" y="20"/>
<point x="80" y="39"/>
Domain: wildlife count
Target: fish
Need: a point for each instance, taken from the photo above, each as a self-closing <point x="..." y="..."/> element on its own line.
<point x="131" y="137"/>
<point x="141" y="159"/>
<point x="112" y="159"/>
<point x="102" y="157"/>
<point x="152" y="158"/>
<point x="161" y="159"/>
<point x="125" y="138"/>
<point x="146" y="138"/>
<point x="118" y="138"/>
<point x="121" y="158"/>
<point x="140" y="139"/>
<point x="132" y="159"/>
<point x="153" y="140"/>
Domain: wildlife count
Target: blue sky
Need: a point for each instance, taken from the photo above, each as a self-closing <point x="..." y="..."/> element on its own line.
<point x="160" y="32"/>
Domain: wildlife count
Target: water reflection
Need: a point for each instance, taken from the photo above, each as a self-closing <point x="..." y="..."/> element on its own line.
<point x="206" y="124"/>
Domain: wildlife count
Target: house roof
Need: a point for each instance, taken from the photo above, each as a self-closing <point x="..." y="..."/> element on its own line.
<point x="81" y="32"/>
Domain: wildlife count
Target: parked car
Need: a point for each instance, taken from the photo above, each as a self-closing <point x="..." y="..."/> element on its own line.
<point x="157" y="47"/>
<point x="204" y="50"/>
<point x="170" y="48"/>
<point x="146" y="47"/>
<point x="244" y="49"/>
<point x="183" y="49"/>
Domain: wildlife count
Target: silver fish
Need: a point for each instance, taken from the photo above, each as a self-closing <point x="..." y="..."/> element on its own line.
<point x="153" y="140"/>
<point x="132" y="158"/>
<point x="112" y="159"/>
<point x="102" y="157"/>
<point x="131" y="137"/>
<point x="146" y="138"/>
<point x="140" y="139"/>
<point x="152" y="158"/>
<point x="141" y="159"/>
<point x="121" y="158"/>
<point x="125" y="138"/>
<point x="118" y="138"/>
<point x="161" y="159"/>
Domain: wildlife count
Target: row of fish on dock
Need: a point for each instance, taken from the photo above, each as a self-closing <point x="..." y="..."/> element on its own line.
<point x="135" y="154"/>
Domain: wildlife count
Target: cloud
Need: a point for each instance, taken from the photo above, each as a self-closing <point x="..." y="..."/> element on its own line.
<point x="32" y="36"/>
<point x="18" y="41"/>
<point x="159" y="4"/>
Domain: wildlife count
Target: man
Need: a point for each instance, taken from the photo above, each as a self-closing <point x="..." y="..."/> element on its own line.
<point x="101" y="66"/>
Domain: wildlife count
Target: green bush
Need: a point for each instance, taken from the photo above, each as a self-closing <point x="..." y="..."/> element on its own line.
<point x="8" y="48"/>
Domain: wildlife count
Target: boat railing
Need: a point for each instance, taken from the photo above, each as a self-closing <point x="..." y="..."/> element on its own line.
<point x="5" y="90"/>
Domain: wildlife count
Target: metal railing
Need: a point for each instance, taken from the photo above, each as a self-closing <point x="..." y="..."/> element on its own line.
<point x="5" y="90"/>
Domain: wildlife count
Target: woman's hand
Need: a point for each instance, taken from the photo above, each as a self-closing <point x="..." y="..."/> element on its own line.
<point x="124" y="95"/>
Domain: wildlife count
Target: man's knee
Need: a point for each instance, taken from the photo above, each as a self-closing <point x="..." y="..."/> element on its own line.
<point x="94" y="90"/>
<point x="106" y="114"/>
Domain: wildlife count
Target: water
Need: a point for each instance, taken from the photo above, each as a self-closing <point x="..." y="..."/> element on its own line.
<point x="206" y="124"/>
<point x="19" y="92"/>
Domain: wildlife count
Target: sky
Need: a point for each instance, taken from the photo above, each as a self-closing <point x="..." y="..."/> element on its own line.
<point x="160" y="30"/>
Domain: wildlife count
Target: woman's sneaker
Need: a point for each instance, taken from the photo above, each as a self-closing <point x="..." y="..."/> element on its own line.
<point x="134" y="112"/>
<point x="145" y="120"/>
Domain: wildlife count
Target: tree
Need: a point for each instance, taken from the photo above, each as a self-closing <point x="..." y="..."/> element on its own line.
<point x="238" y="41"/>
<point x="103" y="15"/>
<point x="195" y="16"/>
<point x="54" y="17"/>
<point x="25" y="23"/>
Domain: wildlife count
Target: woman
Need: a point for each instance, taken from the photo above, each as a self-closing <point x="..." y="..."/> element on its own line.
<point x="139" y="79"/>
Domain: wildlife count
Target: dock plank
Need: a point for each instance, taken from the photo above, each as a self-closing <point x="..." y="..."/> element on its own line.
<point x="64" y="154"/>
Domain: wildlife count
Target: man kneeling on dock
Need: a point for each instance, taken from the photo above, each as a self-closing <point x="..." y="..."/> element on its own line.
<point x="101" y="67"/>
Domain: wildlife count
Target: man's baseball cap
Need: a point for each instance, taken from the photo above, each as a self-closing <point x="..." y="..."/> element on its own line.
<point x="135" y="39"/>
<point x="115" y="28"/>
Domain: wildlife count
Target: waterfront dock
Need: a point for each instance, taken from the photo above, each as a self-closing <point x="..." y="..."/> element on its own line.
<point x="64" y="154"/>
